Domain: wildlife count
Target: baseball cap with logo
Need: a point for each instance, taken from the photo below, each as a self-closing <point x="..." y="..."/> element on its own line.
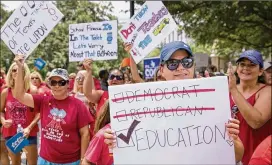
<point x="168" y="50"/>
<point x="254" y="56"/>
<point x="59" y="72"/>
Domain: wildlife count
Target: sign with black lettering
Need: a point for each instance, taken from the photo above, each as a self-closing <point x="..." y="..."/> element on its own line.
<point x="172" y="122"/>
<point x="147" y="28"/>
<point x="96" y="40"/>
<point x="29" y="24"/>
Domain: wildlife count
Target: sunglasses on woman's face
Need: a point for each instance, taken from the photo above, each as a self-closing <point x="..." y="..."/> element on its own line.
<point x="173" y="64"/>
<point x="118" y="77"/>
<point x="60" y="83"/>
<point x="79" y="78"/>
<point x="14" y="70"/>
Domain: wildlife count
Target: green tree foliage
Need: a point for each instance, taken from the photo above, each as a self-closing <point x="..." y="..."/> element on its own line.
<point x="54" y="49"/>
<point x="233" y="25"/>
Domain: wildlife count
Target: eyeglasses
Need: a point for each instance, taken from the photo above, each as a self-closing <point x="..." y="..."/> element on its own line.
<point x="80" y="79"/>
<point x="14" y="70"/>
<point x="60" y="83"/>
<point x="118" y="77"/>
<point x="172" y="64"/>
<point x="234" y="111"/>
<point x="34" y="78"/>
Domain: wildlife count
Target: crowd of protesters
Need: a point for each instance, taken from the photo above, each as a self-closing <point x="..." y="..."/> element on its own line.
<point x="74" y="111"/>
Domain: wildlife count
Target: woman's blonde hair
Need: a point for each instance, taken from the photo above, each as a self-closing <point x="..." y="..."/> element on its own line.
<point x="103" y="117"/>
<point x="35" y="73"/>
<point x="82" y="72"/>
<point x="26" y="73"/>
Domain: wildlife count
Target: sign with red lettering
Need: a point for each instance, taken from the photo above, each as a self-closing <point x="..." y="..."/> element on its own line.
<point x="147" y="28"/>
<point x="172" y="122"/>
<point x="29" y="24"/>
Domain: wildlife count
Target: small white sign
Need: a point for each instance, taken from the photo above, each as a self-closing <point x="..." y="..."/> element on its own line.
<point x="172" y="122"/>
<point x="96" y="41"/>
<point x="29" y="24"/>
<point x="146" y="29"/>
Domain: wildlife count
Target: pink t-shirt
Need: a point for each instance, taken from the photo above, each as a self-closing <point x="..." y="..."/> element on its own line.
<point x="98" y="151"/>
<point x="61" y="121"/>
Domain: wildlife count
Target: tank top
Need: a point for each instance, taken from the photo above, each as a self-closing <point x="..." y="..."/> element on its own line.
<point x="103" y="99"/>
<point x="250" y="137"/>
<point x="19" y="114"/>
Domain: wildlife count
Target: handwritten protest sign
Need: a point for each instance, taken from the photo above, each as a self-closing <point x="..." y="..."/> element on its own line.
<point x="96" y="40"/>
<point x="146" y="29"/>
<point x="29" y="24"/>
<point x="173" y="122"/>
<point x="150" y="67"/>
<point x="17" y="143"/>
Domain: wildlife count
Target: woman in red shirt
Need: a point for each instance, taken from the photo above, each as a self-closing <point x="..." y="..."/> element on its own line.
<point x="64" y="119"/>
<point x="98" y="152"/>
<point x="16" y="113"/>
<point x="116" y="77"/>
<point x="250" y="101"/>
<point x="36" y="80"/>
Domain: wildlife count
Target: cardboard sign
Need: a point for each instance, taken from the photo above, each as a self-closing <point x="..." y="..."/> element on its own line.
<point x="17" y="143"/>
<point x="172" y="122"/>
<point x="29" y="24"/>
<point x="39" y="63"/>
<point x="96" y="40"/>
<point x="147" y="28"/>
<point x="150" y="67"/>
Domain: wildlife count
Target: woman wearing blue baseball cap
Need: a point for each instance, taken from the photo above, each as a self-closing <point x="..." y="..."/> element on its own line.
<point x="177" y="63"/>
<point x="250" y="101"/>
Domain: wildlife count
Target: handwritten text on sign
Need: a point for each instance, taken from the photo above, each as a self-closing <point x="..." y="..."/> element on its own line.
<point x="97" y="40"/>
<point x="29" y="24"/>
<point x="146" y="29"/>
<point x="174" y="122"/>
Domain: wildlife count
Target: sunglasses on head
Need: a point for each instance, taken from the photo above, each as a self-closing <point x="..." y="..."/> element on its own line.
<point x="118" y="77"/>
<point x="14" y="70"/>
<point x="173" y="64"/>
<point x="60" y="83"/>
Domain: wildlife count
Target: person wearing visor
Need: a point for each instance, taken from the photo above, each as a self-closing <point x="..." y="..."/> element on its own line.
<point x="268" y="73"/>
<point x="116" y="77"/>
<point x="64" y="119"/>
<point x="177" y="63"/>
<point x="250" y="101"/>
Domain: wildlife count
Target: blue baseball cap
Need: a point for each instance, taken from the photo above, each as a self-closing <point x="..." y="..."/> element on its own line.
<point x="168" y="50"/>
<point x="254" y="56"/>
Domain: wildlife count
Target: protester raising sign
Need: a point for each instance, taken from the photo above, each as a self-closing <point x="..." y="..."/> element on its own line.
<point x="96" y="40"/>
<point x="150" y="67"/>
<point x="146" y="29"/>
<point x="173" y="122"/>
<point x="29" y="24"/>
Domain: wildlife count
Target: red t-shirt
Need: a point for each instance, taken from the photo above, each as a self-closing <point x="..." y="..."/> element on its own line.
<point x="262" y="154"/>
<point x="97" y="84"/>
<point x="61" y="121"/>
<point x="250" y="137"/>
<point x="19" y="114"/>
<point x="98" y="151"/>
<point x="103" y="99"/>
<point x="44" y="90"/>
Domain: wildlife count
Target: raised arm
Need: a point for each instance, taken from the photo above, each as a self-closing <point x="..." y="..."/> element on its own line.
<point x="134" y="70"/>
<point x="92" y="95"/>
<point x="256" y="116"/>
<point x="19" y="90"/>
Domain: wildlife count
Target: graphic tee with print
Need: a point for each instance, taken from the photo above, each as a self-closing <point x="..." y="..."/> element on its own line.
<point x="61" y="121"/>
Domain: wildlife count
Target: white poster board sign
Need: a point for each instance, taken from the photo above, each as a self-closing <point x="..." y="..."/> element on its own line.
<point x="173" y="122"/>
<point x="29" y="24"/>
<point x="147" y="28"/>
<point x="96" y="40"/>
